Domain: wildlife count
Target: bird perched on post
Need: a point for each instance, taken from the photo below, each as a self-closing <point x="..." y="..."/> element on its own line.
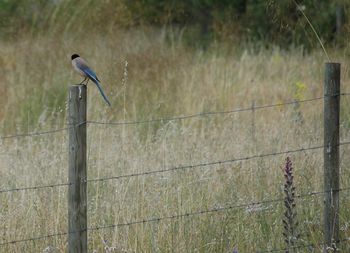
<point x="80" y="65"/>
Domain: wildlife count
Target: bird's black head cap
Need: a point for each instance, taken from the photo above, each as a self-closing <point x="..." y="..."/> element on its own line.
<point x="75" y="56"/>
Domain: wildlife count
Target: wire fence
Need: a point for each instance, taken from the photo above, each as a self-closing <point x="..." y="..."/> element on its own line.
<point x="171" y="217"/>
<point x="173" y="169"/>
<point x="210" y="113"/>
<point x="176" y="118"/>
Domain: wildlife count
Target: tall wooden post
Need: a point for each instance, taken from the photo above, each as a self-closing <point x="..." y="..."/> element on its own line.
<point x="339" y="14"/>
<point x="331" y="154"/>
<point x="77" y="200"/>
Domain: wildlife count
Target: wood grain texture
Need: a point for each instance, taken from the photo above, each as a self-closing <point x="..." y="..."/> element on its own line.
<point x="331" y="152"/>
<point x="77" y="199"/>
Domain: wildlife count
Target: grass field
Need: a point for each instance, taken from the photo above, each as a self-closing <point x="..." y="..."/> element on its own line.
<point x="165" y="78"/>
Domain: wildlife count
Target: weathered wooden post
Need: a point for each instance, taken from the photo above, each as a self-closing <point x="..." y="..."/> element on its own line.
<point x="77" y="199"/>
<point x="331" y="154"/>
<point x="339" y="14"/>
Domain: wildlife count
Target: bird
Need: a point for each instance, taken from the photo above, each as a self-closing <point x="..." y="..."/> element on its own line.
<point x="81" y="66"/>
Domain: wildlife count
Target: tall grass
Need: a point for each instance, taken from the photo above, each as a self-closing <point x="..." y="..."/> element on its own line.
<point x="165" y="78"/>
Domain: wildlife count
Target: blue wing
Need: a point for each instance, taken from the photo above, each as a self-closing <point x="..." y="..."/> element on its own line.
<point x="92" y="76"/>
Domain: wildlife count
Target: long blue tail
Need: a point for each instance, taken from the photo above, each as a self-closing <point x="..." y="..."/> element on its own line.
<point x="101" y="91"/>
<point x="92" y="77"/>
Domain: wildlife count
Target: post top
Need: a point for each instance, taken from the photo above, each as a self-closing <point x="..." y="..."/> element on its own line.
<point x="75" y="85"/>
<point x="333" y="63"/>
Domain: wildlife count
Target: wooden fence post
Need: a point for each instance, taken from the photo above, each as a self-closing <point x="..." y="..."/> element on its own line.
<point x="339" y="14"/>
<point x="77" y="199"/>
<point x="331" y="154"/>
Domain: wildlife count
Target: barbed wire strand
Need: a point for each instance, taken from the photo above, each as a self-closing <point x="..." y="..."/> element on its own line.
<point x="176" y="216"/>
<point x="32" y="134"/>
<point x="251" y="108"/>
<point x="38" y="187"/>
<point x="217" y="209"/>
<point x="184" y="167"/>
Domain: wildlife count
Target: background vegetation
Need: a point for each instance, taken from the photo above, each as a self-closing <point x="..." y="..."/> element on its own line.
<point x="269" y="21"/>
<point x="183" y="57"/>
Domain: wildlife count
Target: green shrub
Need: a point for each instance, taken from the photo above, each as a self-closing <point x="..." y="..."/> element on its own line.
<point x="278" y="22"/>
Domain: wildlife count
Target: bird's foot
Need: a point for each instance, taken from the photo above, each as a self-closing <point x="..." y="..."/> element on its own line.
<point x="82" y="82"/>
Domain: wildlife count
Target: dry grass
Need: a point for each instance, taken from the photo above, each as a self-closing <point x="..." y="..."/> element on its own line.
<point x="164" y="79"/>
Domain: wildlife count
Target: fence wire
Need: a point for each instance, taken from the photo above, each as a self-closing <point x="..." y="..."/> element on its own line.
<point x="186" y="167"/>
<point x="171" y="217"/>
<point x="176" y="168"/>
<point x="33" y="134"/>
<point x="167" y="119"/>
<point x="37" y="187"/>
<point x="203" y="114"/>
<point x="210" y="113"/>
